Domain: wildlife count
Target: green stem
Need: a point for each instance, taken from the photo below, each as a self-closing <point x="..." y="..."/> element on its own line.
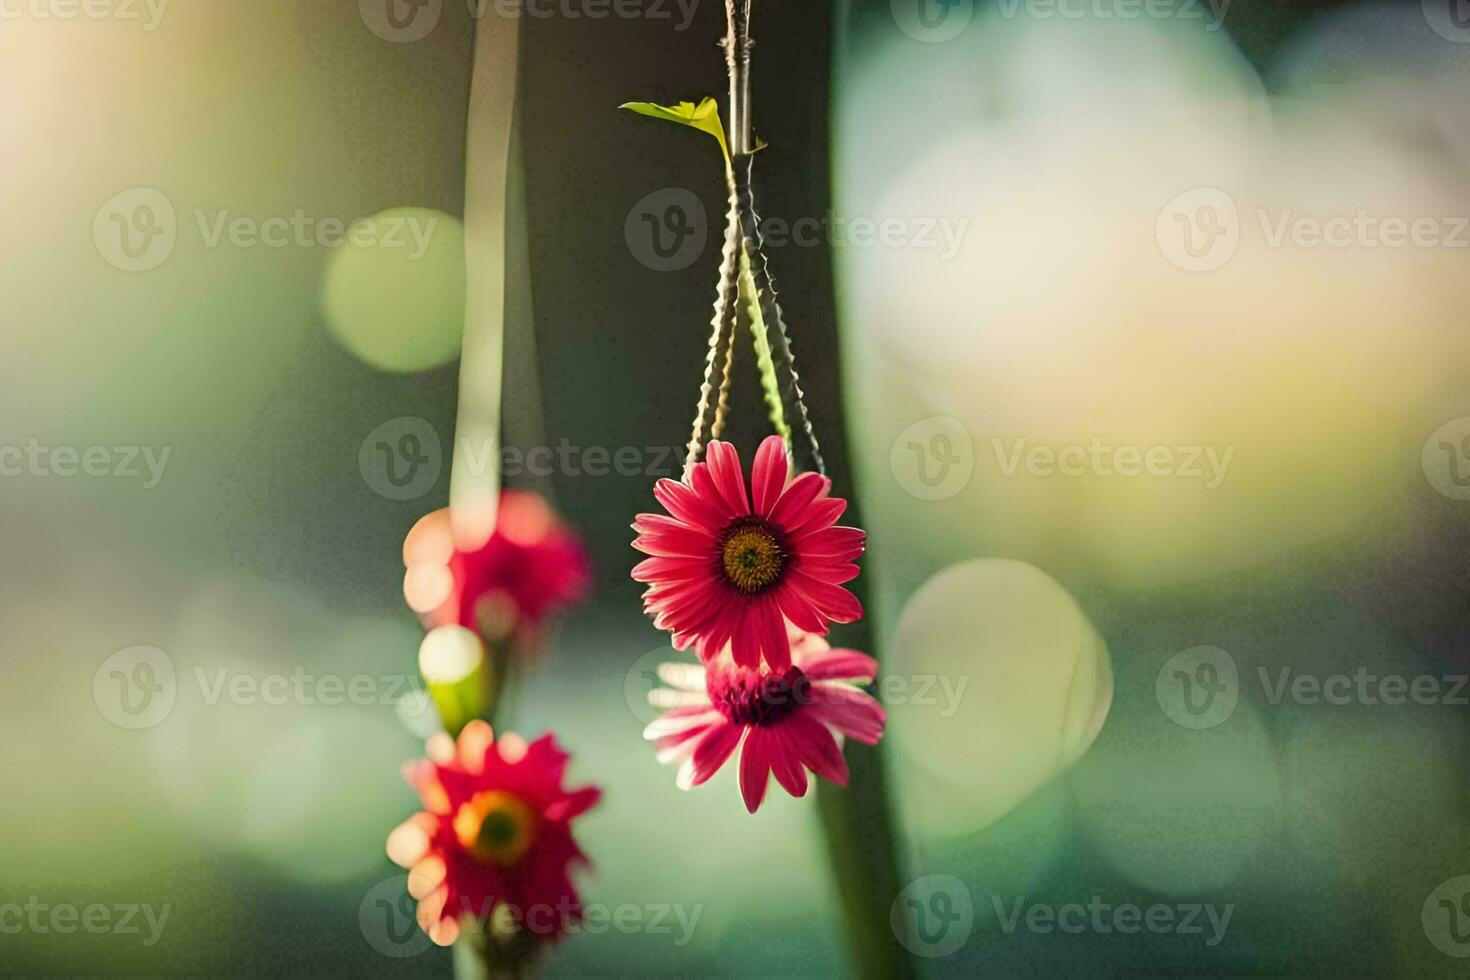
<point x="770" y="384"/>
<point x="481" y="955"/>
<point x="859" y="828"/>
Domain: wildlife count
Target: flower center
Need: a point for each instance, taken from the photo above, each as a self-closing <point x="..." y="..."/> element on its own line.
<point x="751" y="555"/>
<point x="495" y="827"/>
<point x="748" y="698"/>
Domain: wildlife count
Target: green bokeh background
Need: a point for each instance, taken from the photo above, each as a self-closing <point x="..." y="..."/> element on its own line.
<point x="264" y="550"/>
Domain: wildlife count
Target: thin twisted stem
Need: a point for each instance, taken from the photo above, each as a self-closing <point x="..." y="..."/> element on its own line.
<point x="710" y="414"/>
<point x="770" y="305"/>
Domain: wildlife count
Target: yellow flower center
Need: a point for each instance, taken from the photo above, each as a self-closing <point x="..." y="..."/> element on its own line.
<point x="751" y="555"/>
<point x="495" y="827"/>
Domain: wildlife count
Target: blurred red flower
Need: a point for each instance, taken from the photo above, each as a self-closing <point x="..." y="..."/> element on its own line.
<point x="533" y="567"/>
<point x="495" y="834"/>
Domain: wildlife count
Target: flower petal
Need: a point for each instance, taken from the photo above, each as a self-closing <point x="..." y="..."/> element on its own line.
<point x="755" y="768"/>
<point x="409" y="841"/>
<point x="574" y="804"/>
<point x="681" y="720"/>
<point x="850" y="711"/>
<point x="768" y="475"/>
<point x="775" y="643"/>
<point x="685" y="677"/>
<point x="819" y="750"/>
<point x="834" y="602"/>
<point x="791" y="509"/>
<point x="681" y="501"/>
<point x="712" y="751"/>
<point x="724" y="468"/>
<point x="678" y="542"/>
<point x="786" y="762"/>
<point x="823" y="512"/>
<point x="745" y="644"/>
<point x="834" y="543"/>
<point x="840" y="664"/>
<point x="802" y="613"/>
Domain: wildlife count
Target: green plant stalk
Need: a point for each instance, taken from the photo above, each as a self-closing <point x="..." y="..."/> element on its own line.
<point x="464" y="700"/>
<point x="858" y="824"/>
<point x="481" y="954"/>
<point x="493" y="228"/>
<point x="859" y="829"/>
<point x="770" y="385"/>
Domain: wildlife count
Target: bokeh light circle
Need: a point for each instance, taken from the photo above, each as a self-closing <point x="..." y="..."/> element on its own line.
<point x="393" y="292"/>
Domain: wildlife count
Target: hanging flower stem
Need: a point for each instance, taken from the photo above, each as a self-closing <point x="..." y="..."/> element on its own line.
<point x="857" y="821"/>
<point x="770" y="383"/>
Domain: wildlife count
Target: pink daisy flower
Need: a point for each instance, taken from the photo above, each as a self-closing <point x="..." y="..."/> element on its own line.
<point x="728" y="567"/>
<point x="782" y="721"/>
<point x="495" y="831"/>
<point x="533" y="567"/>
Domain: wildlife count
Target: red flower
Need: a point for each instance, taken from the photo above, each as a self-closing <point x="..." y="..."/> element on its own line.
<point x="782" y="721"/>
<point x="728" y="567"/>
<point x="532" y="567"/>
<point x="496" y="830"/>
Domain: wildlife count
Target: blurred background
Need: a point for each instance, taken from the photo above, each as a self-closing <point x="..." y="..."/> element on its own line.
<point x="1145" y="324"/>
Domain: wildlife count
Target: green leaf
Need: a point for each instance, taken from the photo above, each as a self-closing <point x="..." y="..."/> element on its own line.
<point x="704" y="117"/>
